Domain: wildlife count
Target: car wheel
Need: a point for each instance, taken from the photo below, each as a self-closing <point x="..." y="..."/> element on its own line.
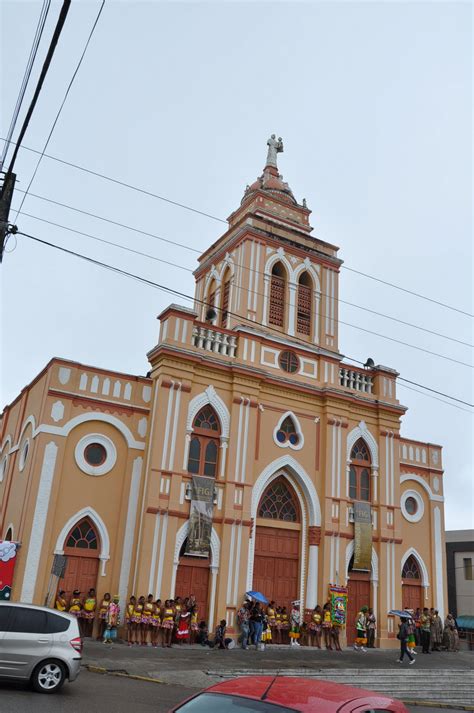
<point x="48" y="677"/>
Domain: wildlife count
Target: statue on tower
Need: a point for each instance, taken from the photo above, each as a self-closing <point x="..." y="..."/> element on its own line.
<point x="274" y="146"/>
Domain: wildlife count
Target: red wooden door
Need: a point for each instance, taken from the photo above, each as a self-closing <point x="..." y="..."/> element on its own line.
<point x="192" y="577"/>
<point x="412" y="594"/>
<point x="81" y="573"/>
<point x="358" y="596"/>
<point x="276" y="564"/>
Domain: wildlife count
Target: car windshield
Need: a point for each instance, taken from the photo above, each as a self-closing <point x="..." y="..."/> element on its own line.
<point x="209" y="702"/>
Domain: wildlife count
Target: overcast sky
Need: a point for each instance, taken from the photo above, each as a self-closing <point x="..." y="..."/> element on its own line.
<point x="373" y="101"/>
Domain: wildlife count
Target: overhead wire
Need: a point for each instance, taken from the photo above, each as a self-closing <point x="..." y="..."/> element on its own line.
<point x="222" y="220"/>
<point x="171" y="290"/>
<point x="26" y="78"/>
<point x="61" y="106"/>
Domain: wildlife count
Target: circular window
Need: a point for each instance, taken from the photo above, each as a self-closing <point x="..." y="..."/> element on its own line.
<point x="95" y="454"/>
<point x="24" y="454"/>
<point x="289" y="362"/>
<point x="281" y="436"/>
<point x="412" y="506"/>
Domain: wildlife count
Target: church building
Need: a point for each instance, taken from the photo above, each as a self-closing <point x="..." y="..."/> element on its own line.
<point x="310" y="474"/>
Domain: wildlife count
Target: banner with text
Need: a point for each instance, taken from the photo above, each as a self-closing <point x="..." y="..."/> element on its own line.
<point x="362" y="536"/>
<point x="200" y="517"/>
<point x="8" y="552"/>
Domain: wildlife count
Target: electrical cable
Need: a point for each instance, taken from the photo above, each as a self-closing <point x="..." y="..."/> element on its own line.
<point x="430" y="396"/>
<point x="170" y="290"/>
<point x="49" y="56"/>
<point x="61" y="106"/>
<point x="221" y="220"/>
<point x="26" y="78"/>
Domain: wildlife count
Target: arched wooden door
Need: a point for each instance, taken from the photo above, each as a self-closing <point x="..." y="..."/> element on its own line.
<point x="192" y="577"/>
<point x="277" y="544"/>
<point x="412" y="590"/>
<point x="82" y="550"/>
<point x="358" y="595"/>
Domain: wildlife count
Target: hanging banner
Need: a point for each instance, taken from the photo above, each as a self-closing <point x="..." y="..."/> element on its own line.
<point x="338" y="600"/>
<point x="8" y="552"/>
<point x="200" y="517"/>
<point x="362" y="536"/>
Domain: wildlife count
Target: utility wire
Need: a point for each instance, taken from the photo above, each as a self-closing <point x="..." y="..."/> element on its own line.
<point x="430" y="396"/>
<point x="348" y="324"/>
<point x="29" y="66"/>
<point x="221" y="220"/>
<point x="61" y="106"/>
<point x="44" y="71"/>
<point x="170" y="290"/>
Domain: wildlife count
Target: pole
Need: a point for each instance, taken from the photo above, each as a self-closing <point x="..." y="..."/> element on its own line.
<point x="6" y="196"/>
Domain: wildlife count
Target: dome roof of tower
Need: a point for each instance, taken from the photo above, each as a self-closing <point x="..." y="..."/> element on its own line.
<point x="271" y="182"/>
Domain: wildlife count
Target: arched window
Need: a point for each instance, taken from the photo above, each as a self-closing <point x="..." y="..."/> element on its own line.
<point x="83" y="536"/>
<point x="279" y="503"/>
<point x="288" y="432"/>
<point x="359" y="472"/>
<point x="411" y="569"/>
<point x="204" y="446"/>
<point x="211" y="296"/>
<point x="303" y="314"/>
<point x="225" y="299"/>
<point x="277" y="295"/>
<point x="9" y="535"/>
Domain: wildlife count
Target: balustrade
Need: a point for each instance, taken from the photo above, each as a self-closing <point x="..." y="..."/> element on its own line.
<point x="213" y="340"/>
<point x="357" y="380"/>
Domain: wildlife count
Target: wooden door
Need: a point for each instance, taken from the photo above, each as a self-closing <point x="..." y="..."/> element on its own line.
<point x="412" y="594"/>
<point x="81" y="573"/>
<point x="358" y="596"/>
<point x="276" y="564"/>
<point x="192" y="577"/>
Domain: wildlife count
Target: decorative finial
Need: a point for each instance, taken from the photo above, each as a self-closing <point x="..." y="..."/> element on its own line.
<point x="274" y="146"/>
<point x="304" y="203"/>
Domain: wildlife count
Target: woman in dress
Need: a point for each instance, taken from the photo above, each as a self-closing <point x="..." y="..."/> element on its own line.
<point x="104" y="605"/>
<point x="128" y="620"/>
<point x="271" y="616"/>
<point x="295" y="622"/>
<point x="167" y="623"/>
<point x="61" y="602"/>
<point x="147" y="620"/>
<point x="194" y="626"/>
<point x="156" y="623"/>
<point x="136" y="620"/>
<point x="450" y="634"/>
<point x="327" y="626"/>
<point x="314" y="627"/>
<point x="183" y="621"/>
<point x="88" y="613"/>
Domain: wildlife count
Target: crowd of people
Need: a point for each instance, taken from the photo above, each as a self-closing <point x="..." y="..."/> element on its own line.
<point x="425" y="628"/>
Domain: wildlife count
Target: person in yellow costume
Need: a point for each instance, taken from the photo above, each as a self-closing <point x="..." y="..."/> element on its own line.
<point x="314" y="628"/>
<point x="295" y="622"/>
<point x="104" y="605"/>
<point x="88" y="613"/>
<point x="361" y="630"/>
<point x="61" y="603"/>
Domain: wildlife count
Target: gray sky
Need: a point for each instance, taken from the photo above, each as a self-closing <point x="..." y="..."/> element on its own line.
<point x="373" y="101"/>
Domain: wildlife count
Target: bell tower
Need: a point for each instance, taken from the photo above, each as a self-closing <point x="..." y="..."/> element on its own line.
<point x="268" y="269"/>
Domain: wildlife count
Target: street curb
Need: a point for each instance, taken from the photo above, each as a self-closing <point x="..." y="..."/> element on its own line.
<point x="434" y="704"/>
<point x="135" y="677"/>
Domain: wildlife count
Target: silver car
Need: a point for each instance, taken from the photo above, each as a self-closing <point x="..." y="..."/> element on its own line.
<point x="39" y="645"/>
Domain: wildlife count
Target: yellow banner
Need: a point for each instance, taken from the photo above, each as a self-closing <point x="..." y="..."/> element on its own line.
<point x="362" y="536"/>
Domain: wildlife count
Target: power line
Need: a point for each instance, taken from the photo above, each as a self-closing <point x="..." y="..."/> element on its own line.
<point x="61" y="106"/>
<point x="49" y="56"/>
<point x="170" y="290"/>
<point x="221" y="220"/>
<point x="348" y="324"/>
<point x="26" y="77"/>
<point x="430" y="396"/>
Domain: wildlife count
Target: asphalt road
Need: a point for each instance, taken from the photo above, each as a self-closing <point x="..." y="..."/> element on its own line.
<point x="95" y="693"/>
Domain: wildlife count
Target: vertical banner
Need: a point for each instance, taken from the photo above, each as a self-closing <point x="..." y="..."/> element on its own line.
<point x="7" y="565"/>
<point x="338" y="600"/>
<point x="200" y="517"/>
<point x="362" y="536"/>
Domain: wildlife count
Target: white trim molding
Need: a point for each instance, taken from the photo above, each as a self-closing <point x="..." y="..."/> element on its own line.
<point x="25" y="449"/>
<point x="110" y="458"/>
<point x="425" y="582"/>
<point x="101" y="527"/>
<point x="361" y="431"/>
<point x="420" y="510"/>
<point x="209" y="396"/>
<point x="418" y="479"/>
<point x="129" y="534"/>
<point x="298" y="430"/>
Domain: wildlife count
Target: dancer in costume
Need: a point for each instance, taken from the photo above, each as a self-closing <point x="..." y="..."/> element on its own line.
<point x="285" y="624"/>
<point x="327" y="626"/>
<point x="194" y="626"/>
<point x="361" y="630"/>
<point x="295" y="622"/>
<point x="147" y="620"/>
<point x="61" y="602"/>
<point x="75" y="607"/>
<point x="88" y="613"/>
<point x="138" y="620"/>
<point x="104" y="605"/>
<point x="315" y="627"/>
<point x="112" y="620"/>
<point x="411" y="641"/>
<point x="156" y="623"/>
<point x="167" y="623"/>
<point x="129" y="620"/>
<point x="184" y="619"/>
<point x="271" y="616"/>
<point x="277" y="625"/>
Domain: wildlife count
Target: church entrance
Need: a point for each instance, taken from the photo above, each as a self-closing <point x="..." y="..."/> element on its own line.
<point x="412" y="590"/>
<point x="82" y="551"/>
<point x="358" y="595"/>
<point x="277" y="544"/>
<point x="192" y="577"/>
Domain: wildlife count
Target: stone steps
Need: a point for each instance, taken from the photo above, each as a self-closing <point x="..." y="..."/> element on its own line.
<point x="437" y="686"/>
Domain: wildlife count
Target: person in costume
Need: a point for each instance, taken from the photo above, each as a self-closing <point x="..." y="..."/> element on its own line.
<point x="436" y="631"/>
<point x="138" y="621"/>
<point x="61" y="602"/>
<point x="156" y="623"/>
<point x="193" y="624"/>
<point x="128" y="620"/>
<point x="271" y="616"/>
<point x="411" y="640"/>
<point x="266" y="630"/>
<point x="450" y="634"/>
<point x="75" y="607"/>
<point x="295" y="623"/>
<point x="327" y="626"/>
<point x="184" y="619"/>
<point x="88" y="613"/>
<point x="277" y="629"/>
<point x="147" y="620"/>
<point x="315" y="627"/>
<point x="361" y="630"/>
<point x="167" y="623"/>
<point x="112" y="620"/>
<point x="104" y="605"/>
<point x="285" y="624"/>
<point x="371" y="626"/>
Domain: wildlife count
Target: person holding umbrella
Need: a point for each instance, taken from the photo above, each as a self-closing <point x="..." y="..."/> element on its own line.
<point x="402" y="635"/>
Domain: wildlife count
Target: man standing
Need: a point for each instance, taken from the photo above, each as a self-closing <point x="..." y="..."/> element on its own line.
<point x="243" y="617"/>
<point x="256" y="619"/>
<point x="425" y="627"/>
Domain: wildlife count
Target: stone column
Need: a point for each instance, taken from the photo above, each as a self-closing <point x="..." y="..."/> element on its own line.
<point x="291" y="308"/>
<point x="314" y="539"/>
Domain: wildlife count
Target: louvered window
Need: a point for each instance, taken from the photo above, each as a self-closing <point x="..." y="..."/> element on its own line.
<point x="303" y="317"/>
<point x="225" y="303"/>
<point x="277" y="296"/>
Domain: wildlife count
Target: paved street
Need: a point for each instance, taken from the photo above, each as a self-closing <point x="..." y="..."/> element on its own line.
<point x="96" y="693"/>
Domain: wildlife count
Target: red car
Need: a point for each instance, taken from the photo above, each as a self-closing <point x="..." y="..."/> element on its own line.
<point x="281" y="694"/>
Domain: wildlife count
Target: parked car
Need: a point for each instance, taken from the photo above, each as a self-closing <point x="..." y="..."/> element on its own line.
<point x="39" y="645"/>
<point x="280" y="694"/>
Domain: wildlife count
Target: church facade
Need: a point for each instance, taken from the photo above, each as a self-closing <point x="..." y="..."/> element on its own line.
<point x="248" y="388"/>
